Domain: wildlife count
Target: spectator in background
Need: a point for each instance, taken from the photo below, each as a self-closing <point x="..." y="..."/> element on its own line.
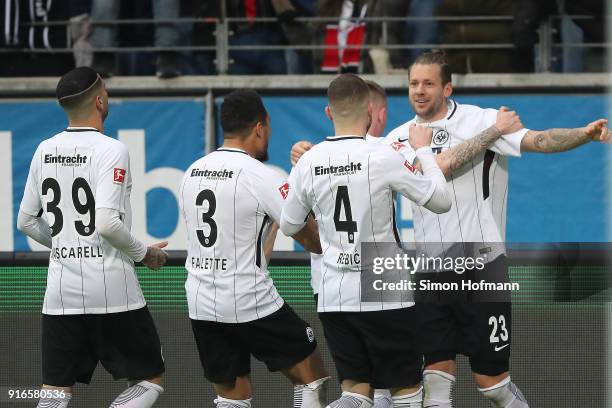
<point x="200" y="34"/>
<point x="528" y="15"/>
<point x="593" y="31"/>
<point x="350" y="31"/>
<point x="409" y="32"/>
<point x="166" y="35"/>
<point x="252" y="33"/>
<point x="299" y="62"/>
<point x="383" y="59"/>
<point x="18" y="34"/>
<point x="422" y="32"/>
<point x="477" y="32"/>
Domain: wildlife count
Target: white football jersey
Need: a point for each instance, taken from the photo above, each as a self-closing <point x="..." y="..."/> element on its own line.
<point x="73" y="174"/>
<point x="479" y="190"/>
<point x="316" y="259"/>
<point x="229" y="201"/>
<point x="349" y="184"/>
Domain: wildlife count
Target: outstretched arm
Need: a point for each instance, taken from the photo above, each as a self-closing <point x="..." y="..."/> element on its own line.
<point x="452" y="159"/>
<point x="561" y="140"/>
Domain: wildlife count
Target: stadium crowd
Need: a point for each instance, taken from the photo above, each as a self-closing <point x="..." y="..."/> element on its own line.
<point x="29" y="50"/>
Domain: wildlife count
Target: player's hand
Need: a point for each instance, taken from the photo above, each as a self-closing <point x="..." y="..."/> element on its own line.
<point x="508" y="121"/>
<point x="156" y="257"/>
<point x="298" y="150"/>
<point x="419" y="136"/>
<point x="598" y="131"/>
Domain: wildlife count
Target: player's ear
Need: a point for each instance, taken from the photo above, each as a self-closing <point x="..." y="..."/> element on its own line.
<point x="382" y="113"/>
<point x="448" y="90"/>
<point x="99" y="103"/>
<point x="259" y="129"/>
<point x="328" y="113"/>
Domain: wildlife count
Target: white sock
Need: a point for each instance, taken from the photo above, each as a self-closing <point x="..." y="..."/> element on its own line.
<point x="351" y="400"/>
<point x="314" y="394"/>
<point x="505" y="395"/>
<point x="382" y="399"/>
<point x="59" y="402"/>
<point x="414" y="400"/>
<point x="221" y="402"/>
<point x="438" y="389"/>
<point x="141" y="395"/>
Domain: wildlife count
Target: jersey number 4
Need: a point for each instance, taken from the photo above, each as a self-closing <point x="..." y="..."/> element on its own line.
<point x="207" y="240"/>
<point x="347" y="225"/>
<point x="88" y="207"/>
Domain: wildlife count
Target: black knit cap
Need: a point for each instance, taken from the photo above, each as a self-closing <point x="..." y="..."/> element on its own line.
<point x="76" y="82"/>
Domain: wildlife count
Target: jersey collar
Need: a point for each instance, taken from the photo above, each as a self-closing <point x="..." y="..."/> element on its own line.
<point x="343" y="137"/>
<point x="231" y="150"/>
<point x="81" y="129"/>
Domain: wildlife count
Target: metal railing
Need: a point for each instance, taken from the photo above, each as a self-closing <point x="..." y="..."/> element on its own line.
<point x="223" y="32"/>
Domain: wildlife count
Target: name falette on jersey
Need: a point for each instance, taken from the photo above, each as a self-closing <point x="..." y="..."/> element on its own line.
<point x="219" y="264"/>
<point x="213" y="174"/>
<point x="77" y="252"/>
<point x="71" y="161"/>
<point x="345" y="170"/>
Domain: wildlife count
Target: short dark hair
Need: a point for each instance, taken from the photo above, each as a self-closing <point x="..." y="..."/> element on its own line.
<point x="241" y="110"/>
<point x="76" y="88"/>
<point x="376" y="91"/>
<point x="435" y="57"/>
<point x="347" y="93"/>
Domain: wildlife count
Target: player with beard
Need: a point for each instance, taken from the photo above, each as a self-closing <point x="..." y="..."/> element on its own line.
<point x="229" y="200"/>
<point x="479" y="185"/>
<point x="77" y="203"/>
<point x="507" y="122"/>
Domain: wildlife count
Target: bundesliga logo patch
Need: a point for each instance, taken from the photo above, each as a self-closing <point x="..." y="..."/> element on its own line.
<point x="118" y="175"/>
<point x="284" y="190"/>
<point x="398" y="146"/>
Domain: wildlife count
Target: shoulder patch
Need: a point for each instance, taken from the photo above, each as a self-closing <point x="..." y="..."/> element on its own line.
<point x="284" y="190"/>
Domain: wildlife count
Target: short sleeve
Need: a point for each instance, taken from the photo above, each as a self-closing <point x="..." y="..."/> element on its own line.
<point x="270" y="189"/>
<point x="397" y="139"/>
<point x="112" y="168"/>
<point x="507" y="145"/>
<point x="31" y="203"/>
<point x="404" y="178"/>
<point x="296" y="207"/>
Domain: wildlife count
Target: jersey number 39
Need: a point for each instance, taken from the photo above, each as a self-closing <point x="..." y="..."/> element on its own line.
<point x="88" y="207"/>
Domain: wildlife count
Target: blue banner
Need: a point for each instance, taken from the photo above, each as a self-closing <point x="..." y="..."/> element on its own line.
<point x="164" y="138"/>
<point x="556" y="197"/>
<point x="552" y="197"/>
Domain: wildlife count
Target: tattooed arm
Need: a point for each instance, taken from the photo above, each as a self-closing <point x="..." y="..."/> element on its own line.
<point x="561" y="140"/>
<point x="454" y="158"/>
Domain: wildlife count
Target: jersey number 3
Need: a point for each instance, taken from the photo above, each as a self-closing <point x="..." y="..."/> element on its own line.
<point x="348" y="225"/>
<point x="207" y="240"/>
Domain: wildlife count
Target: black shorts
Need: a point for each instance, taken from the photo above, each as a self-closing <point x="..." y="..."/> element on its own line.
<point x="126" y="344"/>
<point x="280" y="340"/>
<point x="374" y="347"/>
<point x="477" y="324"/>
